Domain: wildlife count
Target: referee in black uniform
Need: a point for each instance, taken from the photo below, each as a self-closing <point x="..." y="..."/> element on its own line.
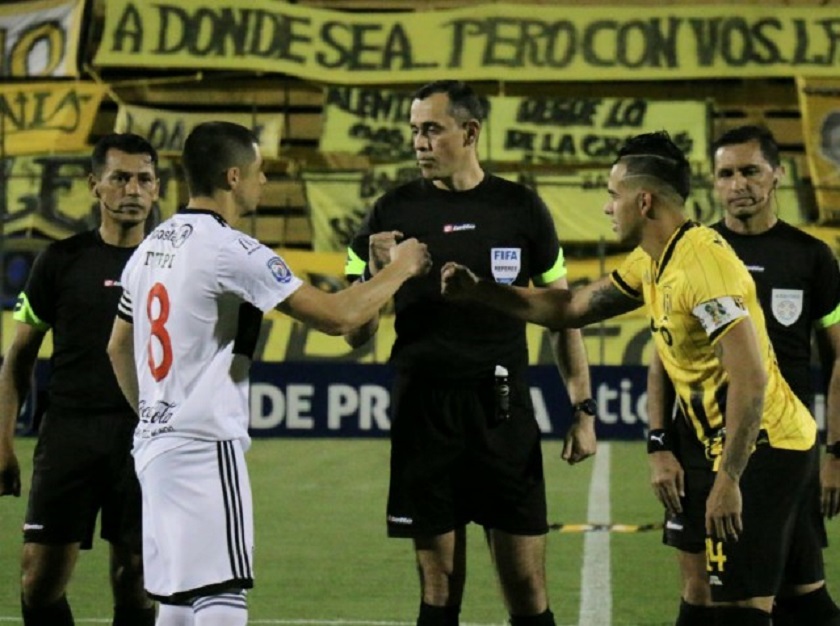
<point x="798" y="285"/>
<point x="82" y="462"/>
<point x="465" y="446"/>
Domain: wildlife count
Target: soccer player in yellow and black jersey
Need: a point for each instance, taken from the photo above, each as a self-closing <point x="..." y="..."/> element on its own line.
<point x="709" y="332"/>
<point x="798" y="286"/>
<point x="695" y="293"/>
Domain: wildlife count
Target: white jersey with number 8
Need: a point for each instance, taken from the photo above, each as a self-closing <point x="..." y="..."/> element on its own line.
<point x="183" y="290"/>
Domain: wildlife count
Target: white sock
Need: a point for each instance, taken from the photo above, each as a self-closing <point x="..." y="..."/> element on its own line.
<point x="225" y="609"/>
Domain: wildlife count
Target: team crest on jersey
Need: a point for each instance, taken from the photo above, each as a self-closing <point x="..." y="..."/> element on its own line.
<point x="280" y="270"/>
<point x="505" y="264"/>
<point x="786" y="305"/>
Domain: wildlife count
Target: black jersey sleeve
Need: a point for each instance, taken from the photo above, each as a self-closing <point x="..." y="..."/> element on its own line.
<point x="825" y="287"/>
<point x="546" y="253"/>
<point x="41" y="289"/>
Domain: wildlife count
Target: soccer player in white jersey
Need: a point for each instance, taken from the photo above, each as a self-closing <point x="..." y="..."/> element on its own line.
<point x="181" y="344"/>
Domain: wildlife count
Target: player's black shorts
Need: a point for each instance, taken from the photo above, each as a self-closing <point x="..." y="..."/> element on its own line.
<point x="687" y="530"/>
<point x="775" y="518"/>
<point x="82" y="465"/>
<point x="451" y="463"/>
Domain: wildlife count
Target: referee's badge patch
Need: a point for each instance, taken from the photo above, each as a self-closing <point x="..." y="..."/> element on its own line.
<point x="786" y="305"/>
<point x="505" y="264"/>
<point x="280" y="270"/>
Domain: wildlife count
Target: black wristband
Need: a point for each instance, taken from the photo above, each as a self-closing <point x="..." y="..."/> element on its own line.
<point x="366" y="275"/>
<point x="587" y="406"/>
<point x="833" y="449"/>
<point x="658" y="441"/>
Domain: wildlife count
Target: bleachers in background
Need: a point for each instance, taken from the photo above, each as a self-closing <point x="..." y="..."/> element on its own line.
<point x="284" y="220"/>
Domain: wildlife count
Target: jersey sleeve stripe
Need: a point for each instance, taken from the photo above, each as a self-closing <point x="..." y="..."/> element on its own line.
<point x="24" y="313"/>
<point x="355" y="265"/>
<point x="624" y="287"/>
<point x="125" y="309"/>
<point x="830" y="319"/>
<point x="555" y="272"/>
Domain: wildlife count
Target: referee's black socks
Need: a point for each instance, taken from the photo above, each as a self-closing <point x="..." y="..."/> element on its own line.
<point x="816" y="608"/>
<point x="545" y="618"/>
<point x="694" y="615"/>
<point x="741" y="616"/>
<point x="438" y="615"/>
<point x="56" y="614"/>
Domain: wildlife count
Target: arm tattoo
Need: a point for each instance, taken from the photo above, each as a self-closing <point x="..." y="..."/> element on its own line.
<point x="606" y="302"/>
<point x="739" y="447"/>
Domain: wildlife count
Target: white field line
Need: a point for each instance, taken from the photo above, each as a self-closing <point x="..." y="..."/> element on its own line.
<point x="595" y="584"/>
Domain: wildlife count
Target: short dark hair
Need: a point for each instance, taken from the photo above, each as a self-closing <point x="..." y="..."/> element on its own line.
<point x="464" y="103"/>
<point x="125" y="142"/>
<point x="747" y="133"/>
<point x="210" y="150"/>
<point x="656" y="155"/>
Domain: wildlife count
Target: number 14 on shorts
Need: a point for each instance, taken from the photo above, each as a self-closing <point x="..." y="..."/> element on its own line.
<point x="715" y="558"/>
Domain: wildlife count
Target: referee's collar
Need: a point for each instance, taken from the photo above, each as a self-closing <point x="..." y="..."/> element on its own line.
<point x="189" y="211"/>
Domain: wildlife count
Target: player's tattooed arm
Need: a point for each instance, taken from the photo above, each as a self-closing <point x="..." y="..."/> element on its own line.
<point x="600" y="300"/>
<point x="739" y="354"/>
<point x="740" y="444"/>
<point x="553" y="308"/>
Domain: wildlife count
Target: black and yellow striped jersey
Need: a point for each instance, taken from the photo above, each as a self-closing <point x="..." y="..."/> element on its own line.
<point x="694" y="293"/>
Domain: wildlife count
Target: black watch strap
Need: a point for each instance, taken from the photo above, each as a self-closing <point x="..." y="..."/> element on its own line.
<point x="587" y="406"/>
<point x="833" y="449"/>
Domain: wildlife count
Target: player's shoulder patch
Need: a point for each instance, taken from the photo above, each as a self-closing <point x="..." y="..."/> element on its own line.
<point x="279" y="269"/>
<point x="716" y="314"/>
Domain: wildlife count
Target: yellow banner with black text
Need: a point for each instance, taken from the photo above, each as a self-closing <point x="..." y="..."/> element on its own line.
<point x="534" y="129"/>
<point x="820" y="105"/>
<point x="40" y="39"/>
<point x="166" y="129"/>
<point x="339" y="201"/>
<point x="517" y="42"/>
<point x="47" y="117"/>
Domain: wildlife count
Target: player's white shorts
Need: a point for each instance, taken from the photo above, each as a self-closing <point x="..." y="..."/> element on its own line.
<point x="198" y="530"/>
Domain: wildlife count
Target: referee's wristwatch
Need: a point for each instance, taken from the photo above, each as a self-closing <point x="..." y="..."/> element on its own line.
<point x="833" y="449"/>
<point x="587" y="406"/>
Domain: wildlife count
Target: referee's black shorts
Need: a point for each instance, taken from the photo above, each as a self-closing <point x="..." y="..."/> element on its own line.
<point x="82" y="466"/>
<point x="452" y="463"/>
